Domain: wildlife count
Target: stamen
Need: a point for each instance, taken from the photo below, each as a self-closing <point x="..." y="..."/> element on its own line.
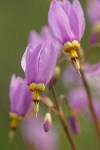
<point x="13" y="125"/>
<point x="11" y="135"/>
<point x="36" y="88"/>
<point x="36" y="99"/>
<point x="39" y="87"/>
<point x="36" y="108"/>
<point x="72" y="49"/>
<point x="32" y="87"/>
<point x="76" y="63"/>
<point x="68" y="47"/>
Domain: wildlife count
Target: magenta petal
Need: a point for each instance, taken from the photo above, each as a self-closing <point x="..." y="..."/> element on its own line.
<point x="80" y="16"/>
<point x="66" y="4"/>
<point x="23" y="60"/>
<point x="47" y="126"/>
<point x="31" y="63"/>
<point x="33" y="39"/>
<point x="74" y="25"/>
<point x="73" y="20"/>
<point x="14" y="84"/>
<point x="20" y="97"/>
<point x="59" y="23"/>
<point x="46" y="64"/>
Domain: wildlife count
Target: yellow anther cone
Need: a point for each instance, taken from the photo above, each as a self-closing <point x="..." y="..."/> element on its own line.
<point x="72" y="49"/>
<point x="13" y="125"/>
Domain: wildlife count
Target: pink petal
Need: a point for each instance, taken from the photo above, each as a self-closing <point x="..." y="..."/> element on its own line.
<point x="46" y="64"/>
<point x="59" y="23"/>
<point x="32" y="64"/>
<point x="80" y="16"/>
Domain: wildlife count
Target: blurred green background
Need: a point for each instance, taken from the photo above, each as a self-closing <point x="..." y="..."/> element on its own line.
<point x="17" y="19"/>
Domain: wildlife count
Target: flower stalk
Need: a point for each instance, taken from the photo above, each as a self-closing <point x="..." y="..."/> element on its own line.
<point x="90" y="103"/>
<point x="62" y="120"/>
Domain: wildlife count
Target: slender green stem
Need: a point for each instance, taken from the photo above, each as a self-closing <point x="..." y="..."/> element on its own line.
<point x="90" y="103"/>
<point x="62" y="120"/>
<point x="54" y="95"/>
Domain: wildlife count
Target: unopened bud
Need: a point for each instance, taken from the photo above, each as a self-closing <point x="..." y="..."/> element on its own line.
<point x="74" y="125"/>
<point x="57" y="72"/>
<point x="55" y="77"/>
<point x="47" y="122"/>
<point x="73" y="122"/>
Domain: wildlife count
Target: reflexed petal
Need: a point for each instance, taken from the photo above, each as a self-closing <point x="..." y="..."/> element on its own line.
<point x="25" y="101"/>
<point x="23" y="60"/>
<point x="47" y="37"/>
<point x="46" y="64"/>
<point x="66" y="6"/>
<point x="31" y="70"/>
<point x="59" y="23"/>
<point x="20" y="97"/>
<point x="14" y="84"/>
<point x="33" y="39"/>
<point x="74" y="24"/>
<point x="80" y="16"/>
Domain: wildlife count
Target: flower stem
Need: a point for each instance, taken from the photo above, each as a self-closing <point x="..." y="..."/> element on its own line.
<point x="67" y="132"/>
<point x="62" y="120"/>
<point x="54" y="95"/>
<point x="90" y="103"/>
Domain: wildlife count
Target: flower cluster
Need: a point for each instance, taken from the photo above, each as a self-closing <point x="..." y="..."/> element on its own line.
<point x="41" y="61"/>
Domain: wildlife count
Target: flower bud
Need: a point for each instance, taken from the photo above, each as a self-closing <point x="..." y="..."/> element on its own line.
<point x="55" y="77"/>
<point x="47" y="122"/>
<point x="74" y="125"/>
<point x="73" y="122"/>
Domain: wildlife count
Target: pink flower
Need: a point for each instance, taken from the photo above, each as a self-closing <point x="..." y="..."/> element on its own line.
<point x="66" y="20"/>
<point x="20" y="102"/>
<point x="67" y="24"/>
<point x="20" y="97"/>
<point x="38" y="64"/>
